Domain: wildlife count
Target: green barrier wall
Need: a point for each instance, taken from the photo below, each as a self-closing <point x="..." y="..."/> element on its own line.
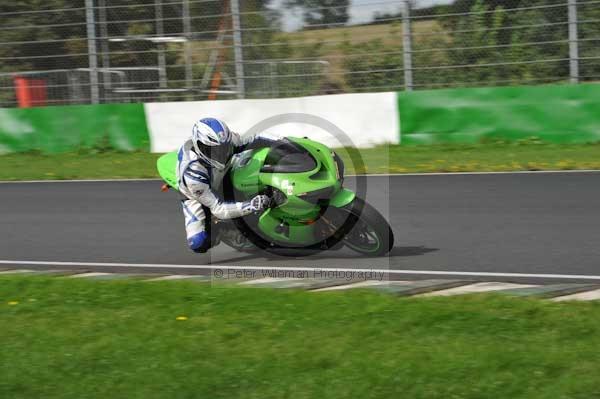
<point x="555" y="113"/>
<point x="69" y="128"/>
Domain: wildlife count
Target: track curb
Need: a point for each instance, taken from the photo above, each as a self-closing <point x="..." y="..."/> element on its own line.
<point x="414" y="288"/>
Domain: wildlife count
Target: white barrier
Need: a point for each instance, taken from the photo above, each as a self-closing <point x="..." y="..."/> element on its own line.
<point x="366" y="118"/>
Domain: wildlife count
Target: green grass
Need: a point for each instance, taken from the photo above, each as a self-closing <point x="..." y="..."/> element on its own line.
<point x="482" y="157"/>
<point x="382" y="159"/>
<point x="64" y="338"/>
<point x="77" y="166"/>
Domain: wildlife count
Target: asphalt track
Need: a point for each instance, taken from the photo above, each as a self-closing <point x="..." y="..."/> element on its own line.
<point x="541" y="223"/>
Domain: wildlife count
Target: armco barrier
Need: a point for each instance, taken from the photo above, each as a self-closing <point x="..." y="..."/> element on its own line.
<point x="69" y="128"/>
<point x="553" y="113"/>
<point x="367" y="118"/>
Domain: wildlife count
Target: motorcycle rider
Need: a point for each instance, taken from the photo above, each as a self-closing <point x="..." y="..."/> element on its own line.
<point x="203" y="161"/>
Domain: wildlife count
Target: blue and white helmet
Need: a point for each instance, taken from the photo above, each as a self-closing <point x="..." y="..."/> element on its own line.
<point x="212" y="142"/>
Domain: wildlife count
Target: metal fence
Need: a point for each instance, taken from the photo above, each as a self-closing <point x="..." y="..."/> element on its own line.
<point x="99" y="51"/>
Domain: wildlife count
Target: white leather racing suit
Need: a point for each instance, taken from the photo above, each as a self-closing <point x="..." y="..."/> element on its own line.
<point x="196" y="181"/>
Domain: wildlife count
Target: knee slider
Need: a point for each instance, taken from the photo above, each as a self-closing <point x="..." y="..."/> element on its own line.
<point x="199" y="243"/>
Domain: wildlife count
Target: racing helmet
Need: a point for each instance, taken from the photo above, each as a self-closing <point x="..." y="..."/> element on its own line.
<point x="212" y="142"/>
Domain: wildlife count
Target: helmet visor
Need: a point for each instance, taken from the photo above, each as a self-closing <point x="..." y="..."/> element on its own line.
<point x="219" y="154"/>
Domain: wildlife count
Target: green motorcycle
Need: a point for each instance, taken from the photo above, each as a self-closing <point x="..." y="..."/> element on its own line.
<point x="310" y="209"/>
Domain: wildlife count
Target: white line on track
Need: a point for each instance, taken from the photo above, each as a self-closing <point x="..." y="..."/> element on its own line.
<point x="518" y="172"/>
<point x="306" y="269"/>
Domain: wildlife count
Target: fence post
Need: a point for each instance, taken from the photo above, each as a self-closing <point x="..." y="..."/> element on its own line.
<point x="160" y="31"/>
<point x="187" y="29"/>
<point x="573" y="42"/>
<point x="407" y="45"/>
<point x="238" y="49"/>
<point x="92" y="53"/>
<point x="104" y="49"/>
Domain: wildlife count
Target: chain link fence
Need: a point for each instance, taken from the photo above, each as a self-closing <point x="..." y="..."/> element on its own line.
<point x="101" y="51"/>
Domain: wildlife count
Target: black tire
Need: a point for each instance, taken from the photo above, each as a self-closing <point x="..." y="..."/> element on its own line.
<point x="368" y="216"/>
<point x="237" y="244"/>
<point x="360" y="213"/>
<point x="271" y="247"/>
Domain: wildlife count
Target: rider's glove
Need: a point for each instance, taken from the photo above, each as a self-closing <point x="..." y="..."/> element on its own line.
<point x="259" y="203"/>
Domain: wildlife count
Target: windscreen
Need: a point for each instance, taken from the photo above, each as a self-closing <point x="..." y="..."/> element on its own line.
<point x="286" y="156"/>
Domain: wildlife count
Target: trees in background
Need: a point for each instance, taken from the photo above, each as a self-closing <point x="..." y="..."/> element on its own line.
<point x="527" y="45"/>
<point x="54" y="40"/>
<point x="24" y="37"/>
<point x="489" y="46"/>
<point x="320" y="12"/>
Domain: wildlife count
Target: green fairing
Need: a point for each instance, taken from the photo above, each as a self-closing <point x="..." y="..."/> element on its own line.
<point x="552" y="113"/>
<point x="249" y="180"/>
<point x="167" y="169"/>
<point x="246" y="178"/>
<point x="71" y="128"/>
<point x="342" y="198"/>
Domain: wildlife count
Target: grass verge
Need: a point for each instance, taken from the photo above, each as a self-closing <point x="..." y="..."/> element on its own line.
<point x="481" y="158"/>
<point x="65" y="338"/>
<point x="104" y="165"/>
<point x="382" y="159"/>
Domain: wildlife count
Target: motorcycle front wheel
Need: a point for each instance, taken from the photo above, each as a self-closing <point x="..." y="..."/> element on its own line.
<point x="370" y="234"/>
